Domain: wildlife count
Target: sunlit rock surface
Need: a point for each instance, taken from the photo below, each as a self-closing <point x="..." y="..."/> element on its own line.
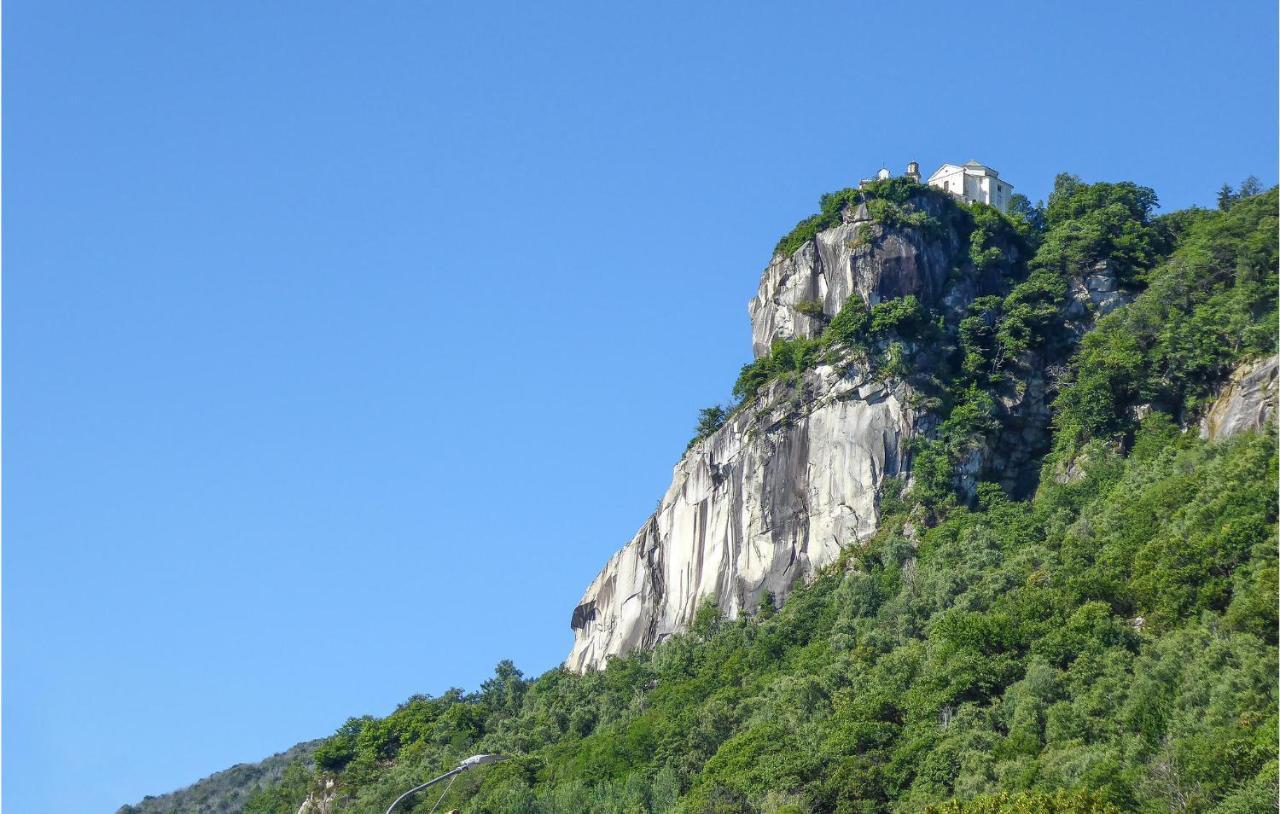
<point x="841" y="261"/>
<point x="1246" y="402"/>
<point x="775" y="494"/>
<point x="758" y="506"/>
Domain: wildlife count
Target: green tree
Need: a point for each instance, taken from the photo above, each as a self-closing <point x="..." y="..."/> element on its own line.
<point x="710" y="419"/>
<point x="1226" y="196"/>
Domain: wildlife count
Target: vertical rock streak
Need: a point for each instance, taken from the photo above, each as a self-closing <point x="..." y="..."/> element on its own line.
<point x="773" y="496"/>
<point x="758" y="506"/>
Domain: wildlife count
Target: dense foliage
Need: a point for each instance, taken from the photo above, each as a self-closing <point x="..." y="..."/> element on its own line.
<point x="1111" y="643"/>
<point x="230" y="789"/>
<point x="1212" y="304"/>
<point x="1106" y="645"/>
<point x="1003" y="341"/>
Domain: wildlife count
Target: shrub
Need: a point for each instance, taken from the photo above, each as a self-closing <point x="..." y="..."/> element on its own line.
<point x="334" y="754"/>
<point x="902" y="316"/>
<point x="787" y="357"/>
<point x="830" y="207"/>
<point x="751" y="378"/>
<point x="899" y="215"/>
<point x="710" y="419"/>
<point x="849" y="327"/>
<point x="810" y="308"/>
<point x="892" y="202"/>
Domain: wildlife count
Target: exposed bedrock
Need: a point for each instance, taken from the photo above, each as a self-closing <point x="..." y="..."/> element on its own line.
<point x="1246" y="402"/>
<point x="858" y="256"/>
<point x="756" y="507"/>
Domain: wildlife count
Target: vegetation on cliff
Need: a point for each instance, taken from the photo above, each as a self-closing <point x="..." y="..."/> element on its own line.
<point x="1107" y="644"/>
<point x="894" y="202"/>
<point x="1212" y="304"/>
<point x="997" y="247"/>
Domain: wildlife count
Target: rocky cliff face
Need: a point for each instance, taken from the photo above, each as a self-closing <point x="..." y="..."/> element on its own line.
<point x="775" y="494"/>
<point x="1246" y="402"/>
<point x="858" y="256"/>
<point x="756" y="507"/>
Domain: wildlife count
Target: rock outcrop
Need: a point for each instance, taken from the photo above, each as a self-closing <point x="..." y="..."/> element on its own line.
<point x="796" y="475"/>
<point x="1246" y="402"/>
<point x="858" y="256"/>
<point x="756" y="507"/>
<point x="774" y="495"/>
<point x="320" y="800"/>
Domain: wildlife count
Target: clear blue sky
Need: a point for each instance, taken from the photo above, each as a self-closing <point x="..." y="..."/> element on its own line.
<point x="343" y="342"/>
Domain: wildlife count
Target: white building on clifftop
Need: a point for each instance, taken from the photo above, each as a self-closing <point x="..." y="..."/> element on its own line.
<point x="974" y="183"/>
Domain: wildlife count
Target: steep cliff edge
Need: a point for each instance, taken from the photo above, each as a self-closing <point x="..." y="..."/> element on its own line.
<point x="796" y="474"/>
<point x="800" y="292"/>
<point x="757" y="507"/>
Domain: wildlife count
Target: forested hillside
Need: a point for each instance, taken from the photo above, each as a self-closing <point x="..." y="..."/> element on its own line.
<point x="227" y="790"/>
<point x="1102" y="638"/>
